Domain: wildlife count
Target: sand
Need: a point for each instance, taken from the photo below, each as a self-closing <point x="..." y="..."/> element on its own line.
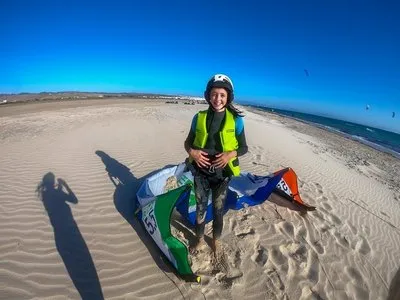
<point x="79" y="239"/>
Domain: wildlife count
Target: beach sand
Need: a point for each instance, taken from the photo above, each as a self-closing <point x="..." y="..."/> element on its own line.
<point x="81" y="240"/>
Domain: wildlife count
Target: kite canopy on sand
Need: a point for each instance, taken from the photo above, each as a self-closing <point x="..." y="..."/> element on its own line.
<point x="173" y="188"/>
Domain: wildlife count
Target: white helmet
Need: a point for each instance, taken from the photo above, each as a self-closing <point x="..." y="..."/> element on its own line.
<point x="219" y="81"/>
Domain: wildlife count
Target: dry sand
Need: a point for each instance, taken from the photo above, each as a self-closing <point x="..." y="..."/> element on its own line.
<point x="80" y="240"/>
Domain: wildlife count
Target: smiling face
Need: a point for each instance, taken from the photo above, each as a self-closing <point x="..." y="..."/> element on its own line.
<point x="218" y="99"/>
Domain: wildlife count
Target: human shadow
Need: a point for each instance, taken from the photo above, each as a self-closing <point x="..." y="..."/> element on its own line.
<point x="69" y="241"/>
<point x="126" y="187"/>
<point x="394" y="289"/>
<point x="125" y="184"/>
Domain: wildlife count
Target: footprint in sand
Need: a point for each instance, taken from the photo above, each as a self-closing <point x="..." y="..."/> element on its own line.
<point x="312" y="234"/>
<point x="232" y="225"/>
<point x="260" y="255"/>
<point x="275" y="279"/>
<point x="205" y="262"/>
<point x="362" y="246"/>
<point x="307" y="293"/>
<point x="340" y="239"/>
<point x="319" y="215"/>
<point x="329" y="216"/>
<point x="318" y="247"/>
<point x="278" y="259"/>
<point x="227" y="264"/>
<point x="235" y="259"/>
<point x="353" y="274"/>
<point x="323" y="227"/>
<point x="326" y="206"/>
<point x="243" y="216"/>
<point x="297" y="251"/>
<point x="334" y="219"/>
<point x="356" y="284"/>
<point x="319" y="188"/>
<point x="311" y="271"/>
<point x="285" y="228"/>
<point x="300" y="233"/>
<point x="242" y="231"/>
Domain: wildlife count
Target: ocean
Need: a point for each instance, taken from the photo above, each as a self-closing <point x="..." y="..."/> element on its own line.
<point x="379" y="139"/>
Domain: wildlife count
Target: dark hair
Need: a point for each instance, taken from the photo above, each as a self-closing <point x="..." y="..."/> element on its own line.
<point x="236" y="112"/>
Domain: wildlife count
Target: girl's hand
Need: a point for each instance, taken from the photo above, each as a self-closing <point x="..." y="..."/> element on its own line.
<point x="200" y="157"/>
<point x="223" y="158"/>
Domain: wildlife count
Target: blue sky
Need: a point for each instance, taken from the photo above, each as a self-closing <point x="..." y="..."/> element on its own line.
<point x="350" y="49"/>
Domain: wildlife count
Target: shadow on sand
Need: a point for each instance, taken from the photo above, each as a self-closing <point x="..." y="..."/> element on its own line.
<point x="394" y="289"/>
<point x="69" y="241"/>
<point x="126" y="187"/>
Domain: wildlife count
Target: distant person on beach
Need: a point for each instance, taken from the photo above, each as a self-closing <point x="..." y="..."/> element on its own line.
<point x="215" y="141"/>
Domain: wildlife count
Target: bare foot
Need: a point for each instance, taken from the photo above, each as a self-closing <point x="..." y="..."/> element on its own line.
<point x="199" y="246"/>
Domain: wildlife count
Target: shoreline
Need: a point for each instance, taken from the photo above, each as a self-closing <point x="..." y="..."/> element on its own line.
<point x="359" y="139"/>
<point x="383" y="160"/>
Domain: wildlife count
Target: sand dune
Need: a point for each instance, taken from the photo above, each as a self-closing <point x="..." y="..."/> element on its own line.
<point x="77" y="237"/>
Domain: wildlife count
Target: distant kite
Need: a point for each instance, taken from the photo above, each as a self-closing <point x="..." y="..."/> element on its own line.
<point x="367" y="107"/>
<point x="393" y="114"/>
<point x="306" y="72"/>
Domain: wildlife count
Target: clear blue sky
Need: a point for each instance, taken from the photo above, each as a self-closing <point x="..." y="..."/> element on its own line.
<point x="350" y="48"/>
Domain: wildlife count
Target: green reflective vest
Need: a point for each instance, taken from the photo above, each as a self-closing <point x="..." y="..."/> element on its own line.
<point x="227" y="136"/>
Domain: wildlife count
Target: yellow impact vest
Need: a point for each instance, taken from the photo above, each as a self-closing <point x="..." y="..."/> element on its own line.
<point x="227" y="136"/>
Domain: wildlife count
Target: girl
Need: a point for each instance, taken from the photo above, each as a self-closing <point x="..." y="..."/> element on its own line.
<point x="215" y="141"/>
